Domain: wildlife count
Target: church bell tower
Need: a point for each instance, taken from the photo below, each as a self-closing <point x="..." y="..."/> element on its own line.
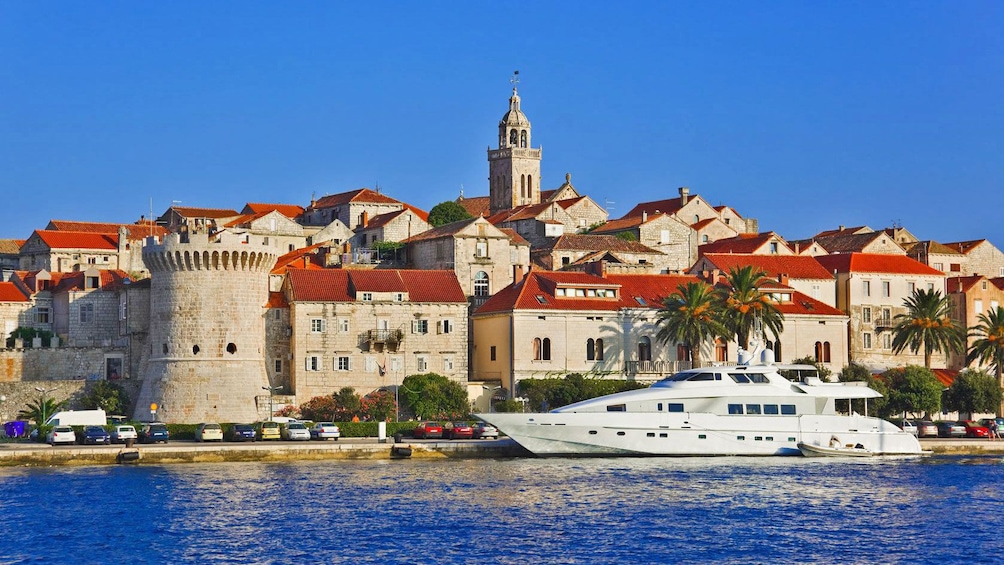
<point x="514" y="168"/>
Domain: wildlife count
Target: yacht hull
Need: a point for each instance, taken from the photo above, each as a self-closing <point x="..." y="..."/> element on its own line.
<point x="556" y="434"/>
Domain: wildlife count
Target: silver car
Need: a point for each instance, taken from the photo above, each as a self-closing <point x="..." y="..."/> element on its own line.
<point x="61" y="434"/>
<point x="484" y="430"/>
<point x="295" y="431"/>
<point x="325" y="430"/>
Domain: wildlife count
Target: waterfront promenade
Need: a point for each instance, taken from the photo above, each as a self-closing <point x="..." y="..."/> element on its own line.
<point x="181" y="451"/>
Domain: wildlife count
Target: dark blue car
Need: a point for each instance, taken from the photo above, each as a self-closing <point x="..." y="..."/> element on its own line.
<point x="153" y="433"/>
<point x="241" y="432"/>
<point x="96" y="435"/>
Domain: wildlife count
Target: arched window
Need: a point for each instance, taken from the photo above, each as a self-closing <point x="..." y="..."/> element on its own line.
<point x="704" y="238"/>
<point x="522" y="138"/>
<point x="721" y="350"/>
<point x="590" y="350"/>
<point x="644" y="349"/>
<point x="536" y="349"/>
<point x="826" y="352"/>
<point x="529" y="185"/>
<point x="481" y="284"/>
<point x="522" y="186"/>
<point x="696" y="218"/>
<point x="819" y="351"/>
<point x="513" y="137"/>
<point x="599" y="349"/>
<point x="546" y="349"/>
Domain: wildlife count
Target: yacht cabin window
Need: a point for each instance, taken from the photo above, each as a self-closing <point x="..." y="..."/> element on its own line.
<point x="616" y="408"/>
<point x="739" y="377"/>
<point x="752" y="408"/>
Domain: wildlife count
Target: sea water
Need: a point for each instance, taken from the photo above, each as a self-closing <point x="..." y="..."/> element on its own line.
<point x="658" y="510"/>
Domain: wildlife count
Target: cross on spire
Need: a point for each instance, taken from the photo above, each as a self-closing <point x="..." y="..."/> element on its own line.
<point x="514" y="81"/>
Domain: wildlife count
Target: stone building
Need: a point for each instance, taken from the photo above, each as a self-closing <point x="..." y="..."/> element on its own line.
<point x="86" y="310"/>
<point x="394" y="226"/>
<point x="353" y="208"/>
<point x="273" y="228"/>
<point x="693" y="209"/>
<point x="207" y="333"/>
<point x="662" y="232"/>
<point x="64" y="252"/>
<point x="871" y="290"/>
<point x="14" y="307"/>
<point x="804" y="274"/>
<point x="538" y="222"/>
<point x="854" y="240"/>
<point x="982" y="257"/>
<point x="514" y="167"/>
<point x="483" y="257"/>
<point x="566" y="251"/>
<point x="195" y="220"/>
<point x="368" y="329"/>
<point x="971" y="296"/>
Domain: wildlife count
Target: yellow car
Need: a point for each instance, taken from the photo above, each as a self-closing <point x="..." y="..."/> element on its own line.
<point x="268" y="430"/>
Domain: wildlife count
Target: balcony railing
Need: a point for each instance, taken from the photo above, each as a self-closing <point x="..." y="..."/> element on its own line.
<point x="661" y="368"/>
<point x="381" y="340"/>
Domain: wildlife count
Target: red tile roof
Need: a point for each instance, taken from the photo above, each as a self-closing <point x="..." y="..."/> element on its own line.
<point x="9" y="292"/>
<point x="844" y="231"/>
<point x="965" y="246"/>
<point x="794" y="266"/>
<point x="303" y="258"/>
<point x="704" y="223"/>
<point x="418" y="212"/>
<point x="875" y="263"/>
<point x="192" y="212"/>
<point x="337" y="285"/>
<point x="623" y="224"/>
<point x="849" y="242"/>
<point x="359" y="195"/>
<point x="805" y="305"/>
<point x="381" y="220"/>
<point x="291" y="211"/>
<point x="931" y="247"/>
<point x="11" y="246"/>
<point x="668" y="206"/>
<point x="78" y="240"/>
<point x="276" y="300"/>
<point x="742" y="243"/>
<point x="139" y="230"/>
<point x="945" y="376"/>
<point x="586" y="242"/>
<point x="108" y="279"/>
<point x="476" y="205"/>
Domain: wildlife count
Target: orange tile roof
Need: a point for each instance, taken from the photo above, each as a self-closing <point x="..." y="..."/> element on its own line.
<point x="418" y="212"/>
<point x="337" y="285"/>
<point x="945" y="376"/>
<point x="276" y="300"/>
<point x="704" y="223"/>
<point x="794" y="266"/>
<point x="586" y="242"/>
<point x="875" y="263"/>
<point x="137" y="231"/>
<point x="849" y="242"/>
<point x="624" y="224"/>
<point x="10" y="246"/>
<point x="476" y="205"/>
<point x="965" y="246"/>
<point x="78" y="240"/>
<point x="359" y="195"/>
<point x="742" y="243"/>
<point x="192" y="212"/>
<point x="805" y="305"/>
<point x="291" y="211"/>
<point x="669" y="206"/>
<point x="303" y="258"/>
<point x="108" y="279"/>
<point x="9" y="292"/>
<point x="930" y="246"/>
<point x="445" y="230"/>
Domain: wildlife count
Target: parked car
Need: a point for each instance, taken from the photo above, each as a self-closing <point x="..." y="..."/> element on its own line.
<point x="974" y="429"/>
<point x="484" y="430"/>
<point x="153" y="433"/>
<point x="241" y="432"/>
<point x="951" y="429"/>
<point x="123" y="432"/>
<point x="96" y="435"/>
<point x="908" y="427"/>
<point x="325" y="430"/>
<point x="458" y="430"/>
<point x="61" y="434"/>
<point x="428" y="430"/>
<point x="1000" y="424"/>
<point x="268" y="430"/>
<point x="926" y="428"/>
<point x="295" y="431"/>
<point x="209" y="432"/>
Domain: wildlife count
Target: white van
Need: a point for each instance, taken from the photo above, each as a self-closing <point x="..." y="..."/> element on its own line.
<point x="77" y="418"/>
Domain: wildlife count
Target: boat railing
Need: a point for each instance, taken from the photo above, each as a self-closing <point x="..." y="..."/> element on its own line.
<point x="661" y="368"/>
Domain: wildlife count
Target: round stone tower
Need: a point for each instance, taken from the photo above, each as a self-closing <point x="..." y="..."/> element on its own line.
<point x="207" y="328"/>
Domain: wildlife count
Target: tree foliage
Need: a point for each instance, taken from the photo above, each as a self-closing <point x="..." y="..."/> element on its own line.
<point x="107" y="396"/>
<point x="744" y="307"/>
<point x="974" y="391"/>
<point x="691" y="316"/>
<point x="823" y="371"/>
<point x="988" y="347"/>
<point x="378" y="406"/>
<point x="27" y="335"/>
<point x="446" y="213"/>
<point x="319" y="409"/>
<point x="927" y="325"/>
<point x="434" y="396"/>
<point x="347" y="404"/>
<point x="912" y="389"/>
<point x="39" y="410"/>
<point x="627" y="236"/>
<point x="547" y="394"/>
<point x="859" y="373"/>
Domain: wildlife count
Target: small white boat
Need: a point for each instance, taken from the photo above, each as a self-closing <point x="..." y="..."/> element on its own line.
<point x="833" y="450"/>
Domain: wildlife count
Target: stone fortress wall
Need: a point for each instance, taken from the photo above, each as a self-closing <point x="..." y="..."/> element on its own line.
<point x="207" y="329"/>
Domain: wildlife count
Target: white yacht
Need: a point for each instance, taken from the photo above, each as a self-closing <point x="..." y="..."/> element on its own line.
<point x="745" y="409"/>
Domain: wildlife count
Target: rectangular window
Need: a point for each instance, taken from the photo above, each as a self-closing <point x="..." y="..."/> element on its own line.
<point x="422" y="364"/>
<point x="367" y="297"/>
<point x="481" y="249"/>
<point x="930" y="287"/>
<point x="978" y="306"/>
<point x="770" y="409"/>
<point x="788" y="409"/>
<point x="371" y="365"/>
<point x="939" y="266"/>
<point x="815" y="291"/>
<point x="316" y="325"/>
<point x="866" y="340"/>
<point x="752" y="408"/>
<point x="911" y="287"/>
<point x="675" y="407"/>
<point x="343" y="363"/>
<point x="866" y="288"/>
<point x="278" y="366"/>
<point x="86" y="313"/>
<point x="123" y="307"/>
<point x="616" y="408"/>
<point x="399" y="297"/>
<point x="313" y="363"/>
<point x="664" y="237"/>
<point x="42" y="315"/>
<point x="439" y="250"/>
<point x="886" y="289"/>
<point x="993" y="305"/>
<point x="735" y="408"/>
<point x="886" y="340"/>
<point x="91" y="282"/>
<point x="343" y="325"/>
<point x="955" y="267"/>
<point x="420" y="326"/>
<point x="866" y="314"/>
<point x="448" y="364"/>
<point x="493" y="353"/>
<point x="445" y="326"/>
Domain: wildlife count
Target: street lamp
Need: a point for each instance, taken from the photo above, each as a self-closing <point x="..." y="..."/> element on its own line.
<point x="41" y="401"/>
<point x="271" y="392"/>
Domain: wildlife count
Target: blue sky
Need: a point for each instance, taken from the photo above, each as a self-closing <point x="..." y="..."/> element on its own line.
<point x="805" y="115"/>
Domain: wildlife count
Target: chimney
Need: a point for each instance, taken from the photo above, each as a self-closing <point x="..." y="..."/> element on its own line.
<point x="364" y="219"/>
<point x="684" y="195"/>
<point x="783" y="278"/>
<point x="840" y="228"/>
<point x="644" y="216"/>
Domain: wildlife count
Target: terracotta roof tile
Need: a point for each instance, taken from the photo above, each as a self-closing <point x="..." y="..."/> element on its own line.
<point x="932" y="247"/>
<point x="359" y="195"/>
<point x="324" y="285"/>
<point x="742" y="243"/>
<point x="381" y="220"/>
<point x="337" y="285"/>
<point x="965" y="246"/>
<point x="433" y="286"/>
<point x="514" y="237"/>
<point x="476" y="205"/>
<point x="137" y="231"/>
<point x="586" y="242"/>
<point x="875" y="263"/>
<point x="303" y="258"/>
<point x="668" y="206"/>
<point x="276" y="300"/>
<point x="376" y="281"/>
<point x="192" y="212"/>
<point x="446" y="230"/>
<point x="78" y="240"/>
<point x="850" y="242"/>
<point x="418" y="212"/>
<point x="108" y="279"/>
<point x="10" y="246"/>
<point x="9" y="292"/>
<point x="794" y="266"/>
<point x="291" y="211"/>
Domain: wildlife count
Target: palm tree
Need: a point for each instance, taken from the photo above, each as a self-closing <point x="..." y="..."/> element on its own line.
<point x="928" y="324"/>
<point x="38" y="410"/>
<point x="989" y="345"/>
<point x="690" y="316"/>
<point x="744" y="306"/>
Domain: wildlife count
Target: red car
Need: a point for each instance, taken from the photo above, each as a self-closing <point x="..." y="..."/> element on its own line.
<point x="428" y="430"/>
<point x="974" y="429"/>
<point x="458" y="430"/>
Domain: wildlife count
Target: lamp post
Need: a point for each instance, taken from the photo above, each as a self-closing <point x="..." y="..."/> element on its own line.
<point x="41" y="401"/>
<point x="3" y="400"/>
<point x="271" y="393"/>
